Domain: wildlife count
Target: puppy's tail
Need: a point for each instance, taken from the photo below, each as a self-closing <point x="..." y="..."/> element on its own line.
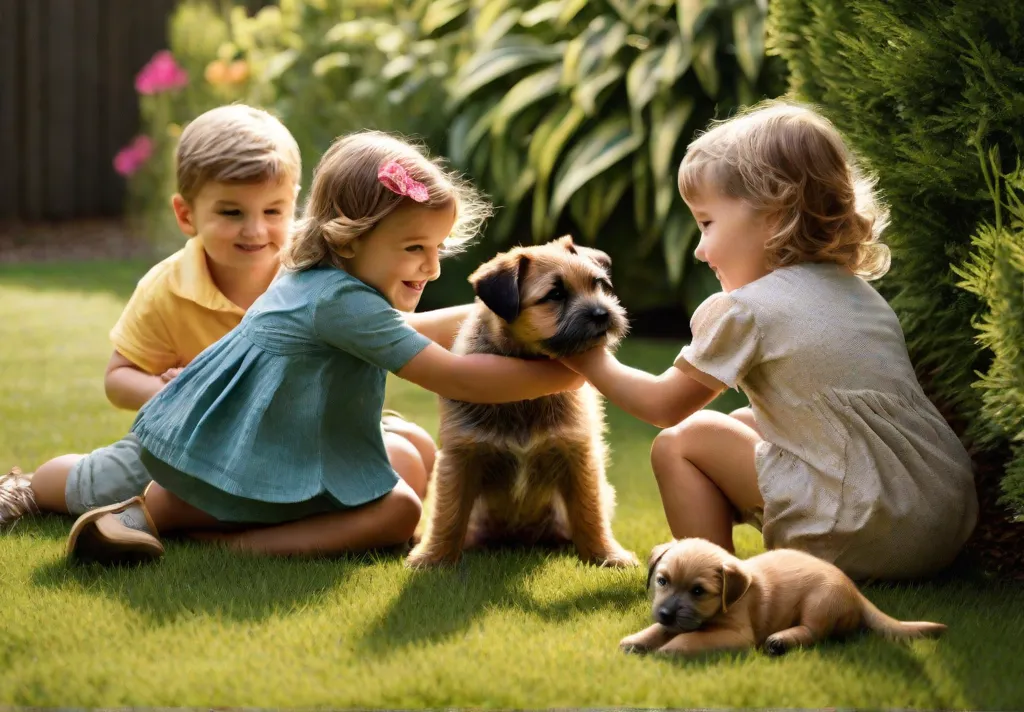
<point x="893" y="629"/>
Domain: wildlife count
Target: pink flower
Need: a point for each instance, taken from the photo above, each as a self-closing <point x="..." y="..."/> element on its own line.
<point x="160" y="74"/>
<point x="132" y="157"/>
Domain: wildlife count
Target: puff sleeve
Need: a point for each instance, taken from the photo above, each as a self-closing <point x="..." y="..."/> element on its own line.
<point x="353" y="317"/>
<point x="726" y="341"/>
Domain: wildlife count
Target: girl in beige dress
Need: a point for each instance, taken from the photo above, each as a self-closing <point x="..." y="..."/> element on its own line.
<point x="841" y="453"/>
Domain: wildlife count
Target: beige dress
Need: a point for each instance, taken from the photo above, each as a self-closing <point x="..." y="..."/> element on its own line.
<point x="857" y="466"/>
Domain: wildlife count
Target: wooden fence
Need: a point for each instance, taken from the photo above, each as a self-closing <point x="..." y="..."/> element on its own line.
<point x="68" y="102"/>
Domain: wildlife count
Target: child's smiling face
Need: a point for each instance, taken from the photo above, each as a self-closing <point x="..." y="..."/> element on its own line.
<point x="733" y="238"/>
<point x="402" y="253"/>
<point x="244" y="226"/>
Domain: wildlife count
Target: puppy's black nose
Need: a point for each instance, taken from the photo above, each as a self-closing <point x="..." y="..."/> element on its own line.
<point x="666" y="615"/>
<point x="599" y="315"/>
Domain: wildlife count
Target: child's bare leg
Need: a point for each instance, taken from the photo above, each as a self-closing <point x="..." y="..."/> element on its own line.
<point x="408" y="462"/>
<point x="746" y="416"/>
<point x="171" y="513"/>
<point x="50" y="481"/>
<point x="705" y="471"/>
<point x="415" y="434"/>
<point x="388" y="521"/>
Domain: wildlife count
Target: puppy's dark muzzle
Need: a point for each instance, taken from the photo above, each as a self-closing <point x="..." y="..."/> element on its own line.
<point x="585" y="327"/>
<point x="677" y="617"/>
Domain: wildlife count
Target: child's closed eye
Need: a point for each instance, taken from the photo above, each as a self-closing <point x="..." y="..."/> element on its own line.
<point x="232" y="213"/>
<point x="414" y="248"/>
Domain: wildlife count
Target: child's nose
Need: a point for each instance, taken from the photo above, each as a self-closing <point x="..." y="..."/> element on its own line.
<point x="700" y="253"/>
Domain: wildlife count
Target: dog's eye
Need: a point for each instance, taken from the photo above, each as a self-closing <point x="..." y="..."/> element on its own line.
<point x="697" y="591"/>
<point x="661" y="581"/>
<point x="557" y="294"/>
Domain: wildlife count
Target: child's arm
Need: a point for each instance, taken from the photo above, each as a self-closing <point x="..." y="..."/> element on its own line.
<point x="484" y="378"/>
<point x="440" y="325"/>
<point x="128" y="386"/>
<point x="662" y="401"/>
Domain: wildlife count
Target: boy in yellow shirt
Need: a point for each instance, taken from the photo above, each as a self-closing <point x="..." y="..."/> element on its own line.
<point x="238" y="172"/>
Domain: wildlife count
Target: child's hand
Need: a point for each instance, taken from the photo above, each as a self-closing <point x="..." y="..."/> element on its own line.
<point x="588" y="361"/>
<point x="169" y="375"/>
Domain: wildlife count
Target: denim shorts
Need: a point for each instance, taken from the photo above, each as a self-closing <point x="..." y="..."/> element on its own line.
<point x="107" y="475"/>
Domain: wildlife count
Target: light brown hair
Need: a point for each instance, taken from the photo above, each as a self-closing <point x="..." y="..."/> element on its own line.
<point x="790" y="163"/>
<point x="347" y="199"/>
<point x="235" y="144"/>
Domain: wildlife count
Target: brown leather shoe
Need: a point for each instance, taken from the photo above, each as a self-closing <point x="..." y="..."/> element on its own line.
<point x="116" y="534"/>
<point x="16" y="497"/>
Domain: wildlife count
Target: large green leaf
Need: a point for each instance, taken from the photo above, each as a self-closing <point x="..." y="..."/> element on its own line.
<point x="692" y="15"/>
<point x="499" y="29"/>
<point x="584" y="53"/>
<point x="334" y="60"/>
<point x="543" y="13"/>
<point x="704" y="64"/>
<point x="674" y="62"/>
<point x="468" y="127"/>
<point x="668" y="118"/>
<point x="640" y="79"/>
<point x="545" y="150"/>
<point x="676" y="242"/>
<point x="588" y="91"/>
<point x="603" y="47"/>
<point x="603" y="147"/>
<point x="570" y="9"/>
<point x="494" y="64"/>
<point x="527" y="91"/>
<point x="593" y="204"/>
<point x="642" y="200"/>
<point x="487" y="14"/>
<point x="748" y="37"/>
<point x="440" y="12"/>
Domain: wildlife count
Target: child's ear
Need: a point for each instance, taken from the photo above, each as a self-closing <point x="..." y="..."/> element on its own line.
<point x="497" y="285"/>
<point x="184" y="214"/>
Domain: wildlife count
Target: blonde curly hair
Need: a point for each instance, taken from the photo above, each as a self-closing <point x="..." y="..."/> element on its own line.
<point x="788" y="162"/>
<point x="347" y="199"/>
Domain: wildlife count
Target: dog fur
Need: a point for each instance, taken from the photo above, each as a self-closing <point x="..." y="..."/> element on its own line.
<point x="705" y="599"/>
<point x="532" y="472"/>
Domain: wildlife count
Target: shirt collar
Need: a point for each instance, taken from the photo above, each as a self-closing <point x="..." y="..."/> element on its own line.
<point x="191" y="279"/>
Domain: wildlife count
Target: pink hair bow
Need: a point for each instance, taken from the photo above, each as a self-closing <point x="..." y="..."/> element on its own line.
<point x="396" y="179"/>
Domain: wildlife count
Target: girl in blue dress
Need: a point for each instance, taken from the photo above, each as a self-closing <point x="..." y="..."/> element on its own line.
<point x="270" y="440"/>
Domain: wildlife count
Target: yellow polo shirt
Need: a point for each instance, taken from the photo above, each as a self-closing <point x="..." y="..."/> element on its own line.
<point x="175" y="312"/>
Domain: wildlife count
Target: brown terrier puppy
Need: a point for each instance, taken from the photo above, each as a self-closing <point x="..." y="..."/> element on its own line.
<point x="529" y="472"/>
<point x="706" y="599"/>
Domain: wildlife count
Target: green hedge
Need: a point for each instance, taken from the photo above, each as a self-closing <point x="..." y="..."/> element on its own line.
<point x="918" y="86"/>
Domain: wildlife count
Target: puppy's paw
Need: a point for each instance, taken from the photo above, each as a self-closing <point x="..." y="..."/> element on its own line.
<point x="420" y="559"/>
<point x="632" y="646"/>
<point x="775" y="646"/>
<point x="619" y="558"/>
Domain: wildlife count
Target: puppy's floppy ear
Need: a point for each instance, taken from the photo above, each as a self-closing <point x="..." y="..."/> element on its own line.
<point x="497" y="284"/>
<point x="735" y="582"/>
<point x="656" y="553"/>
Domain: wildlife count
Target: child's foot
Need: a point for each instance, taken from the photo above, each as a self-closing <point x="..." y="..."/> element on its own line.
<point x="117" y="534"/>
<point x="16" y="497"/>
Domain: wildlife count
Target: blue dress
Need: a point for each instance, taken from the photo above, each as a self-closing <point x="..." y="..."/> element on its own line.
<point x="280" y="418"/>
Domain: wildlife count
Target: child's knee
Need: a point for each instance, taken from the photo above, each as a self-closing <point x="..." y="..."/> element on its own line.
<point x="417" y="436"/>
<point x="406" y="509"/>
<point x="408" y="462"/>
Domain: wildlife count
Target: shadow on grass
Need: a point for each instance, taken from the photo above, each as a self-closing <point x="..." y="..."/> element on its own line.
<point x="115" y="278"/>
<point x="196" y="578"/>
<point x="437" y="605"/>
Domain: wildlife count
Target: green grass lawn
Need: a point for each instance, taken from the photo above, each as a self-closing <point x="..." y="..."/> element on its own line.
<point x="205" y="628"/>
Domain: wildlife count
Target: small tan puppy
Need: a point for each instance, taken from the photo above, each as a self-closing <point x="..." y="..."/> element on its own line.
<point x="706" y="599"/>
<point x="529" y="473"/>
